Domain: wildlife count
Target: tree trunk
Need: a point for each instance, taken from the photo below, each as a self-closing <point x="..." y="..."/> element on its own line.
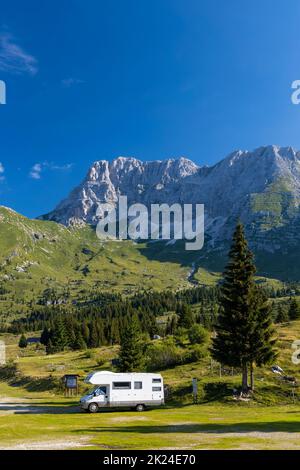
<point x="245" y="378"/>
<point x="252" y="377"/>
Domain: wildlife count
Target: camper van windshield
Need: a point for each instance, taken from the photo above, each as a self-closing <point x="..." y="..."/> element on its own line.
<point x="96" y="390"/>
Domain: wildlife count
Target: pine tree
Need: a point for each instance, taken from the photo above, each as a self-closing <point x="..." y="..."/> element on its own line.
<point x="79" y="342"/>
<point x="294" y="311"/>
<point x="94" y="337"/>
<point x="59" y="336"/>
<point x="186" y="319"/>
<point x="171" y="325"/>
<point x="115" y="333"/>
<point x="131" y="355"/>
<point x="282" y="315"/>
<point x="23" y="341"/>
<point x="85" y="332"/>
<point x="71" y="334"/>
<point x="50" y="348"/>
<point x="45" y="336"/>
<point x="100" y="332"/>
<point x="241" y="340"/>
<point x="262" y="338"/>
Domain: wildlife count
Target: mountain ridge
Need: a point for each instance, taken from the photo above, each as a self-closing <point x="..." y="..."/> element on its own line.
<point x="261" y="187"/>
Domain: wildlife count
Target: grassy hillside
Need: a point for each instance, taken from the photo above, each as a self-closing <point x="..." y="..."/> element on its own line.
<point x="37" y="255"/>
<point x="46" y="260"/>
<point x="32" y="366"/>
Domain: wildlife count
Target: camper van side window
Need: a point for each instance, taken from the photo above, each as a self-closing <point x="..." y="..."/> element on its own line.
<point x="138" y="385"/>
<point x="121" y="385"/>
<point x="156" y="381"/>
<point x="156" y="389"/>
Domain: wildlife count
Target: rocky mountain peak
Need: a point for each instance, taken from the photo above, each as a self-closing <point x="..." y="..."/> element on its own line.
<point x="262" y="187"/>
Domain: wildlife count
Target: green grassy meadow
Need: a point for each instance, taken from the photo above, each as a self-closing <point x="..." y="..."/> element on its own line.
<point x="34" y="414"/>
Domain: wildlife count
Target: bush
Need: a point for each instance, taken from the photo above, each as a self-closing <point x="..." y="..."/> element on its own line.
<point x="162" y="355"/>
<point x="197" y="334"/>
<point x="89" y="354"/>
<point x="101" y="360"/>
<point x="195" y="353"/>
<point x="23" y="342"/>
<point x="181" y="336"/>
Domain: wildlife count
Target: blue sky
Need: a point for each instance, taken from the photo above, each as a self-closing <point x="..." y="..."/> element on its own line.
<point x="95" y="79"/>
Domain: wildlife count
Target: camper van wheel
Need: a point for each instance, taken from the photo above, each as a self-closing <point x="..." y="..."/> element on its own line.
<point x="93" y="408"/>
<point x="139" y="407"/>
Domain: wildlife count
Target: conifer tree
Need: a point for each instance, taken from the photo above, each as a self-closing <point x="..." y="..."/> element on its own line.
<point x="94" y="336"/>
<point x="23" y="341"/>
<point x="282" y="315"/>
<point x="50" y="348"/>
<point x="171" y="325"/>
<point x="45" y="336"/>
<point x="85" y="332"/>
<point x="79" y="342"/>
<point x="59" y="336"/>
<point x="115" y="333"/>
<point x="262" y="340"/>
<point x="186" y="319"/>
<point x="244" y="334"/>
<point x="131" y="355"/>
<point x="294" y="310"/>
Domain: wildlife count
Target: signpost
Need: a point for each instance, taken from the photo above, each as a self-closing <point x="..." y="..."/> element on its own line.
<point x="2" y="354"/>
<point x="195" y="390"/>
<point x="70" y="384"/>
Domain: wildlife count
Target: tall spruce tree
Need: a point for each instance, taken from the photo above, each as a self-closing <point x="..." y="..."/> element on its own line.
<point x="94" y="335"/>
<point x="131" y="354"/>
<point x="282" y="315"/>
<point x="262" y="338"/>
<point x="59" y="335"/>
<point x="45" y="336"/>
<point x="186" y="318"/>
<point x="244" y="336"/>
<point x="294" y="310"/>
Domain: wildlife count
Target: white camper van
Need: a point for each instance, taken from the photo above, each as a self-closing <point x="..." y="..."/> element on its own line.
<point x="135" y="390"/>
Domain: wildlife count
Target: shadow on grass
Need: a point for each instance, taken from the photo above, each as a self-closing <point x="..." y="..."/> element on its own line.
<point x="207" y="393"/>
<point x="263" y="427"/>
<point x="34" y="408"/>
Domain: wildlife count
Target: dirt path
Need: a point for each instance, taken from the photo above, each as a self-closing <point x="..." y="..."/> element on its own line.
<point x="48" y="445"/>
<point x="15" y="405"/>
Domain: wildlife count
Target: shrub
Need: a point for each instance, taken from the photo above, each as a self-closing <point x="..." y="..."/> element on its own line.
<point x="181" y="336"/>
<point x="89" y="354"/>
<point x="162" y="355"/>
<point x="23" y="342"/>
<point x="195" y="353"/>
<point x="197" y="334"/>
<point x="100" y="361"/>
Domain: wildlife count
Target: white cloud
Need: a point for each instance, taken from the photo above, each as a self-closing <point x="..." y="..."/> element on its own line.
<point x="65" y="167"/>
<point x="38" y="168"/>
<point x="36" y="171"/>
<point x="69" y="82"/>
<point x="14" y="59"/>
<point x="2" y="177"/>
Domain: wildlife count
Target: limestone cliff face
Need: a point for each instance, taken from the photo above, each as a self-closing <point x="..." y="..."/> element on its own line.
<point x="261" y="187"/>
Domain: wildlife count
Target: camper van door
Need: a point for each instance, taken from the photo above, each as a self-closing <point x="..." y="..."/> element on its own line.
<point x="102" y="395"/>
